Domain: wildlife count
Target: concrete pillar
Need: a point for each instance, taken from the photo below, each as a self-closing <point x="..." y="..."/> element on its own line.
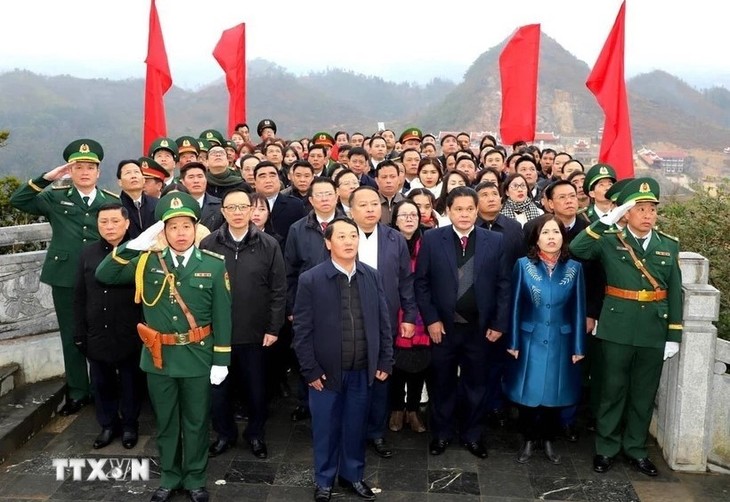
<point x="683" y="417"/>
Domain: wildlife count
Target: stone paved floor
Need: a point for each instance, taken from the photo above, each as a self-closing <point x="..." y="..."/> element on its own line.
<point x="410" y="475"/>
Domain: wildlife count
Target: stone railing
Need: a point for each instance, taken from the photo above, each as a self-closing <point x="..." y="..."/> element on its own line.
<point x="692" y="415"/>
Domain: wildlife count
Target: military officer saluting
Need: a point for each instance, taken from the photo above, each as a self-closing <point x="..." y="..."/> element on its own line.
<point x="187" y="305"/>
<point x="72" y="212"/>
<point x="598" y="181"/>
<point x="641" y="319"/>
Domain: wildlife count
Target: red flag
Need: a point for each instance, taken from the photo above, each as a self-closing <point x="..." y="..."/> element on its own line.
<point x="230" y="52"/>
<point x="607" y="84"/>
<point x="157" y="83"/>
<point x="518" y="64"/>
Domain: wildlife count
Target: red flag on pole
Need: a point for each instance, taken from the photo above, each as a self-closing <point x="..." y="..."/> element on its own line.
<point x="157" y="82"/>
<point x="230" y="52"/>
<point x="518" y="64"/>
<point x="607" y="84"/>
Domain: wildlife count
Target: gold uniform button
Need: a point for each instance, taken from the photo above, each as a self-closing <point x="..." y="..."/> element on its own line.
<point x="87" y="214"/>
<point x="200" y="286"/>
<point x="174" y="318"/>
<point x="55" y="258"/>
<point x="202" y="343"/>
<point x="178" y="283"/>
<point x="663" y="263"/>
<point x="664" y="316"/>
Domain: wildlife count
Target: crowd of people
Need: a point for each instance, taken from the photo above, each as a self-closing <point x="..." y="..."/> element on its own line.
<point x="387" y="271"/>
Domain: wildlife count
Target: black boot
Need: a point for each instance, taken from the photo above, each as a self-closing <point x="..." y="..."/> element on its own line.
<point x="550" y="452"/>
<point x="523" y="456"/>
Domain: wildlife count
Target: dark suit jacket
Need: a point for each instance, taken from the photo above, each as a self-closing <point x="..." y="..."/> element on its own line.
<point x="287" y="210"/>
<point x="210" y="214"/>
<point x="139" y="220"/>
<point x="437" y="283"/>
<point x="394" y="267"/>
<point x="318" y="330"/>
<point x="513" y="238"/>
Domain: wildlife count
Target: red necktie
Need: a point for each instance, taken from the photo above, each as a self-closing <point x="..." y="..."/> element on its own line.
<point x="324" y="226"/>
<point x="464" y="242"/>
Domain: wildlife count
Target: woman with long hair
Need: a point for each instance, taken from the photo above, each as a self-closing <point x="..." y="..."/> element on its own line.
<point x="517" y="203"/>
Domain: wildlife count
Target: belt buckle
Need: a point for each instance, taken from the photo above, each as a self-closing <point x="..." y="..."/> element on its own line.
<point x="646" y="296"/>
<point x="182" y="339"/>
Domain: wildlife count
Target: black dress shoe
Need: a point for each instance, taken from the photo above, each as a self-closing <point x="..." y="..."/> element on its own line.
<point x="284" y="389"/>
<point x="497" y="419"/>
<point x="644" y="466"/>
<point x="602" y="463"/>
<point x="161" y="495"/>
<point x="300" y="413"/>
<point x="437" y="446"/>
<point x="105" y="437"/>
<point x="199" y="495"/>
<point x="525" y="453"/>
<point x="477" y="449"/>
<point x="550" y="454"/>
<point x="129" y="439"/>
<point x="570" y="432"/>
<point x="219" y="447"/>
<point x="72" y="406"/>
<point x="359" y="488"/>
<point x="258" y="448"/>
<point x="322" y="494"/>
<point x="381" y="448"/>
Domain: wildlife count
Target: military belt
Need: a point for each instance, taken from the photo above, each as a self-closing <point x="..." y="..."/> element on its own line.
<point x="639" y="296"/>
<point x="193" y="336"/>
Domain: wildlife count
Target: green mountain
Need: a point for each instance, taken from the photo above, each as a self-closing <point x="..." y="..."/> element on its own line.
<point x="44" y="113"/>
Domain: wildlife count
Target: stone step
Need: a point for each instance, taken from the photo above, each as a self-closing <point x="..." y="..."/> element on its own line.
<point x="7" y="377"/>
<point x="25" y="410"/>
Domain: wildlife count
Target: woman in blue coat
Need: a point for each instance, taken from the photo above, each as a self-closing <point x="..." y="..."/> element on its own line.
<point x="546" y="335"/>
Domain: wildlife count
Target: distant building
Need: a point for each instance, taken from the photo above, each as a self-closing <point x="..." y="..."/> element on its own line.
<point x="670" y="161"/>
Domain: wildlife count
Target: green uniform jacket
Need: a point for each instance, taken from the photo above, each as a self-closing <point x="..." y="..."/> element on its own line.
<point x="203" y="285"/>
<point x="630" y="322"/>
<point x="72" y="222"/>
<point x="588" y="214"/>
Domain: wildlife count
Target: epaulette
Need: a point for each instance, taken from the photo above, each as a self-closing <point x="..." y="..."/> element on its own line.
<point x="59" y="188"/>
<point x="675" y="239"/>
<point x="110" y="193"/>
<point x="613" y="230"/>
<point x="581" y="210"/>
<point x="211" y="253"/>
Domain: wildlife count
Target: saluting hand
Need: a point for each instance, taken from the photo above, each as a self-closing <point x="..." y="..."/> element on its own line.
<point x="270" y="340"/>
<point x="59" y="172"/>
<point x="318" y="384"/>
<point x="435" y="331"/>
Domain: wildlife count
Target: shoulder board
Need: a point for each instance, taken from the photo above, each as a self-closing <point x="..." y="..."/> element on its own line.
<point x="582" y="210"/>
<point x="59" y="188"/>
<point x="612" y="230"/>
<point x="675" y="239"/>
<point x="110" y="193"/>
<point x="211" y="253"/>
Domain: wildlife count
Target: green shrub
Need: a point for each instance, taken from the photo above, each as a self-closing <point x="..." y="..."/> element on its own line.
<point x="702" y="224"/>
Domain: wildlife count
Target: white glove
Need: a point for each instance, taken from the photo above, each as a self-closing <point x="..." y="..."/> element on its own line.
<point x="670" y="349"/>
<point x="218" y="374"/>
<point x="146" y="239"/>
<point x="615" y="214"/>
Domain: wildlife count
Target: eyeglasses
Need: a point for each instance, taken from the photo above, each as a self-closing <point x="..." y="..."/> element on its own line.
<point x="408" y="216"/>
<point x="325" y="195"/>
<point x="237" y="207"/>
<point x="216" y="153"/>
<point x="518" y="186"/>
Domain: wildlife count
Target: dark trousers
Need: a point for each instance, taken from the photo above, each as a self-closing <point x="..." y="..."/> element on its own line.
<point x="338" y="429"/>
<point x="74" y="362"/>
<point x="465" y="348"/>
<point x="117" y="389"/>
<point x="379" y="408"/>
<point x="182" y="410"/>
<point x="539" y="422"/>
<point x="280" y="358"/>
<point x="569" y="414"/>
<point x="249" y="376"/>
<point x="398" y="382"/>
<point x="627" y="395"/>
<point x="496" y="362"/>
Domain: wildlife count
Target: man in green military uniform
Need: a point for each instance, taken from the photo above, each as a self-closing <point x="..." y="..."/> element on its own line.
<point x="72" y="212"/>
<point x="187" y="306"/>
<point x="598" y="181"/>
<point x="164" y="152"/>
<point x="641" y="320"/>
